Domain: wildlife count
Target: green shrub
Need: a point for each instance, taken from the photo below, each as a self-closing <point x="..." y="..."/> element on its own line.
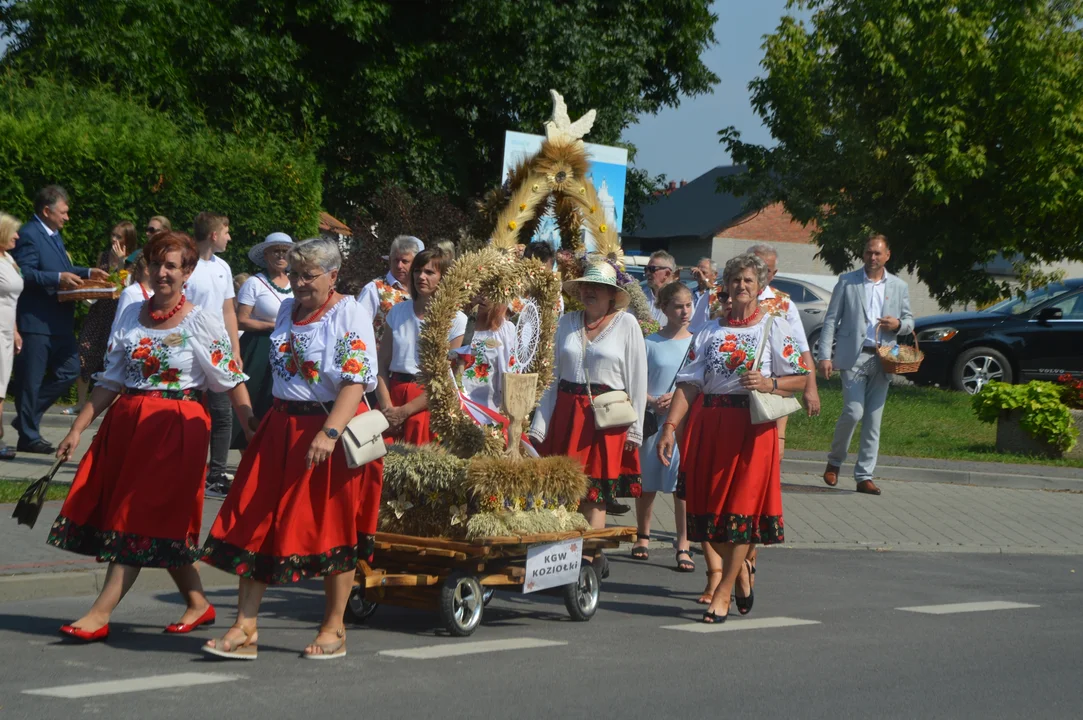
<point x="120" y="160"/>
<point x="1043" y="416"/>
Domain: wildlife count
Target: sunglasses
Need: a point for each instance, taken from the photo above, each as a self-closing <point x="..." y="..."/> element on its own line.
<point x="151" y="229"/>
<point x="658" y="268"/>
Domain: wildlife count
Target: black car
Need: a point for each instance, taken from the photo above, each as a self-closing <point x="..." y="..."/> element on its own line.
<point x="1037" y="338"/>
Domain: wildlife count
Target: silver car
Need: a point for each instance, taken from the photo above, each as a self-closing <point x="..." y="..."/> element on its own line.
<point x="811" y="300"/>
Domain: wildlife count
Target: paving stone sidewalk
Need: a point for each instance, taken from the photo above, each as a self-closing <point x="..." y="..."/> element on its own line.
<point x="914" y="516"/>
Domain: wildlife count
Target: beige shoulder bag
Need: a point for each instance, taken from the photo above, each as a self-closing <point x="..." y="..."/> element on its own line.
<point x="612" y="409"/>
<point x="362" y="438"/>
<point x="768" y="407"/>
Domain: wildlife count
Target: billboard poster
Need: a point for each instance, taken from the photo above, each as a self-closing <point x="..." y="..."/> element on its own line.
<point x="608" y="173"/>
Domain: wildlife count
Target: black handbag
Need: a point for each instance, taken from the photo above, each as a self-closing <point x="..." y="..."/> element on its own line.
<point x="650" y="420"/>
<point x="29" y="506"/>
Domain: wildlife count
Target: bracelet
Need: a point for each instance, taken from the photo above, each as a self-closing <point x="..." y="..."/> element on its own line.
<point x="670" y="424"/>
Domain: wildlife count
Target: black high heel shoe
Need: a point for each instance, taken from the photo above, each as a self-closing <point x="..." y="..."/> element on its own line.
<point x="711" y="618"/>
<point x="744" y="604"/>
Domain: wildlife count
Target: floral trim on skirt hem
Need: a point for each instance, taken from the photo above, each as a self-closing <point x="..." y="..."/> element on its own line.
<point x="740" y="529"/>
<point x="599" y="490"/>
<point x="273" y="570"/>
<point x="123" y="548"/>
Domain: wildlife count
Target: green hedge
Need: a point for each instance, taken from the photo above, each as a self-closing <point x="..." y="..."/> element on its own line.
<point x="120" y="160"/>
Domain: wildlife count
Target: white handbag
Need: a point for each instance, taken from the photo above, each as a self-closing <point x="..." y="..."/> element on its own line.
<point x="362" y="438"/>
<point x="612" y="409"/>
<point x="767" y="407"/>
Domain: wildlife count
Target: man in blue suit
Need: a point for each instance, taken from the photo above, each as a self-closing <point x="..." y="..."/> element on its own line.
<point x="47" y="325"/>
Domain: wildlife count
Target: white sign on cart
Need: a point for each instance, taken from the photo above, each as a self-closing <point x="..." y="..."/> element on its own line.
<point x="552" y="564"/>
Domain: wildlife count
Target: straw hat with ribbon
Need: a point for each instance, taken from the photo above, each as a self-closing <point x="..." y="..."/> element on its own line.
<point x="255" y="253"/>
<point x="600" y="273"/>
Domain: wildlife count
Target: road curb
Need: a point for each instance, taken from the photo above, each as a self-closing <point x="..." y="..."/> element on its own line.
<point x="40" y="586"/>
<point x="1020" y="480"/>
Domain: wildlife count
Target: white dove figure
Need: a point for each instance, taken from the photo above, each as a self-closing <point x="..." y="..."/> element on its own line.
<point x="560" y="127"/>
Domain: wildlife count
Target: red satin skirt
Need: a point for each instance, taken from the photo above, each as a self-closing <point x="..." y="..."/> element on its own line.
<point x="137" y="497"/>
<point x="613" y="471"/>
<point x="283" y="521"/>
<point x="730" y="477"/>
<point x="416" y="428"/>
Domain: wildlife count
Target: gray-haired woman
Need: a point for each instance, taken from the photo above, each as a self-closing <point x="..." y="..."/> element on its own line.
<point x="295" y="509"/>
<point x="731" y="481"/>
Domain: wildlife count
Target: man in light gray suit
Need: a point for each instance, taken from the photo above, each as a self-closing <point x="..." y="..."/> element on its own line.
<point x="862" y="300"/>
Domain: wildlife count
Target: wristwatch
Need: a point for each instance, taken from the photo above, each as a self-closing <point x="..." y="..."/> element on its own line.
<point x="331" y="433"/>
<point x="774" y="382"/>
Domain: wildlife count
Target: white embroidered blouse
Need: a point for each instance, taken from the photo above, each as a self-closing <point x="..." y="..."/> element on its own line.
<point x="194" y="355"/>
<point x="338" y="348"/>
<point x="490" y="354"/>
<point x="720" y="355"/>
<point x="405" y="329"/>
<point x="616" y="358"/>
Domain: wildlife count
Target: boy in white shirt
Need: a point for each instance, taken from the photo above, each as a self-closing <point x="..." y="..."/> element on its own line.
<point x="211" y="287"/>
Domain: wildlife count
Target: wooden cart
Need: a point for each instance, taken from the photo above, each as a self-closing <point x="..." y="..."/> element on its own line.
<point x="457" y="578"/>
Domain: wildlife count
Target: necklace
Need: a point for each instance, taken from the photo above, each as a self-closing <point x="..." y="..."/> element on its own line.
<point x="274" y="286"/>
<point x="313" y="316"/>
<point x="742" y="323"/>
<point x="595" y="325"/>
<point x="146" y="295"/>
<point x="162" y="317"/>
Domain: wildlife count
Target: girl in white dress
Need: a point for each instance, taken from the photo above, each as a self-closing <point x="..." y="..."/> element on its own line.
<point x="490" y="354"/>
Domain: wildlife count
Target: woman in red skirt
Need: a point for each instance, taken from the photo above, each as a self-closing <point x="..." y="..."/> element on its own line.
<point x="402" y="399"/>
<point x="137" y="497"/>
<point x="602" y="345"/>
<point x="729" y="472"/>
<point x="296" y="509"/>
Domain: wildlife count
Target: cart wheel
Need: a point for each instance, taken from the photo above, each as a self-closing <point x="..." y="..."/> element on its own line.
<point x="358" y="607"/>
<point x="581" y="598"/>
<point x="487" y="595"/>
<point x="461" y="604"/>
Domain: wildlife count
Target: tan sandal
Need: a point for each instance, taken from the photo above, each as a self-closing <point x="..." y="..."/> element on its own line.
<point x="708" y="595"/>
<point x="331" y="651"/>
<point x="245" y="651"/>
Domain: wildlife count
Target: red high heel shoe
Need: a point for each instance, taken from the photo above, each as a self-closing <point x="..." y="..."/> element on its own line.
<point x="87" y="636"/>
<point x="207" y="618"/>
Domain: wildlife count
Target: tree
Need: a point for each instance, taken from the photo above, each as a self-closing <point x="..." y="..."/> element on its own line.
<point x="954" y="127"/>
<point x="414" y="94"/>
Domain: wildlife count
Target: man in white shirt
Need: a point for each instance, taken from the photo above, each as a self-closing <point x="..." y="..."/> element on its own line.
<point x="382" y="294"/>
<point x="863" y="300"/>
<point x="211" y="287"/>
<point x="661" y="270"/>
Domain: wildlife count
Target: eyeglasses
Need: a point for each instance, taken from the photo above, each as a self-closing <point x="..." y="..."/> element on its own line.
<point x="658" y="268"/>
<point x="277" y="251"/>
<point x="303" y="278"/>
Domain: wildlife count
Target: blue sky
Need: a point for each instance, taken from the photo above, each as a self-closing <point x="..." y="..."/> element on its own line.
<point x="682" y="142"/>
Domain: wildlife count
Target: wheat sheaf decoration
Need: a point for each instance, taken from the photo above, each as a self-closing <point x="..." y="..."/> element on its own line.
<point x="501" y="277"/>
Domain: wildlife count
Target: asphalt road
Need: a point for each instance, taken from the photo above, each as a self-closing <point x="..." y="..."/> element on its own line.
<point x="859" y="656"/>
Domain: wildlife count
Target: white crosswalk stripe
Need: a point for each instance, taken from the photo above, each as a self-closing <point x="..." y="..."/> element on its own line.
<point x="966" y="607"/>
<point x="451" y="649"/>
<point x="732" y="624"/>
<point x="116" y="687"/>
